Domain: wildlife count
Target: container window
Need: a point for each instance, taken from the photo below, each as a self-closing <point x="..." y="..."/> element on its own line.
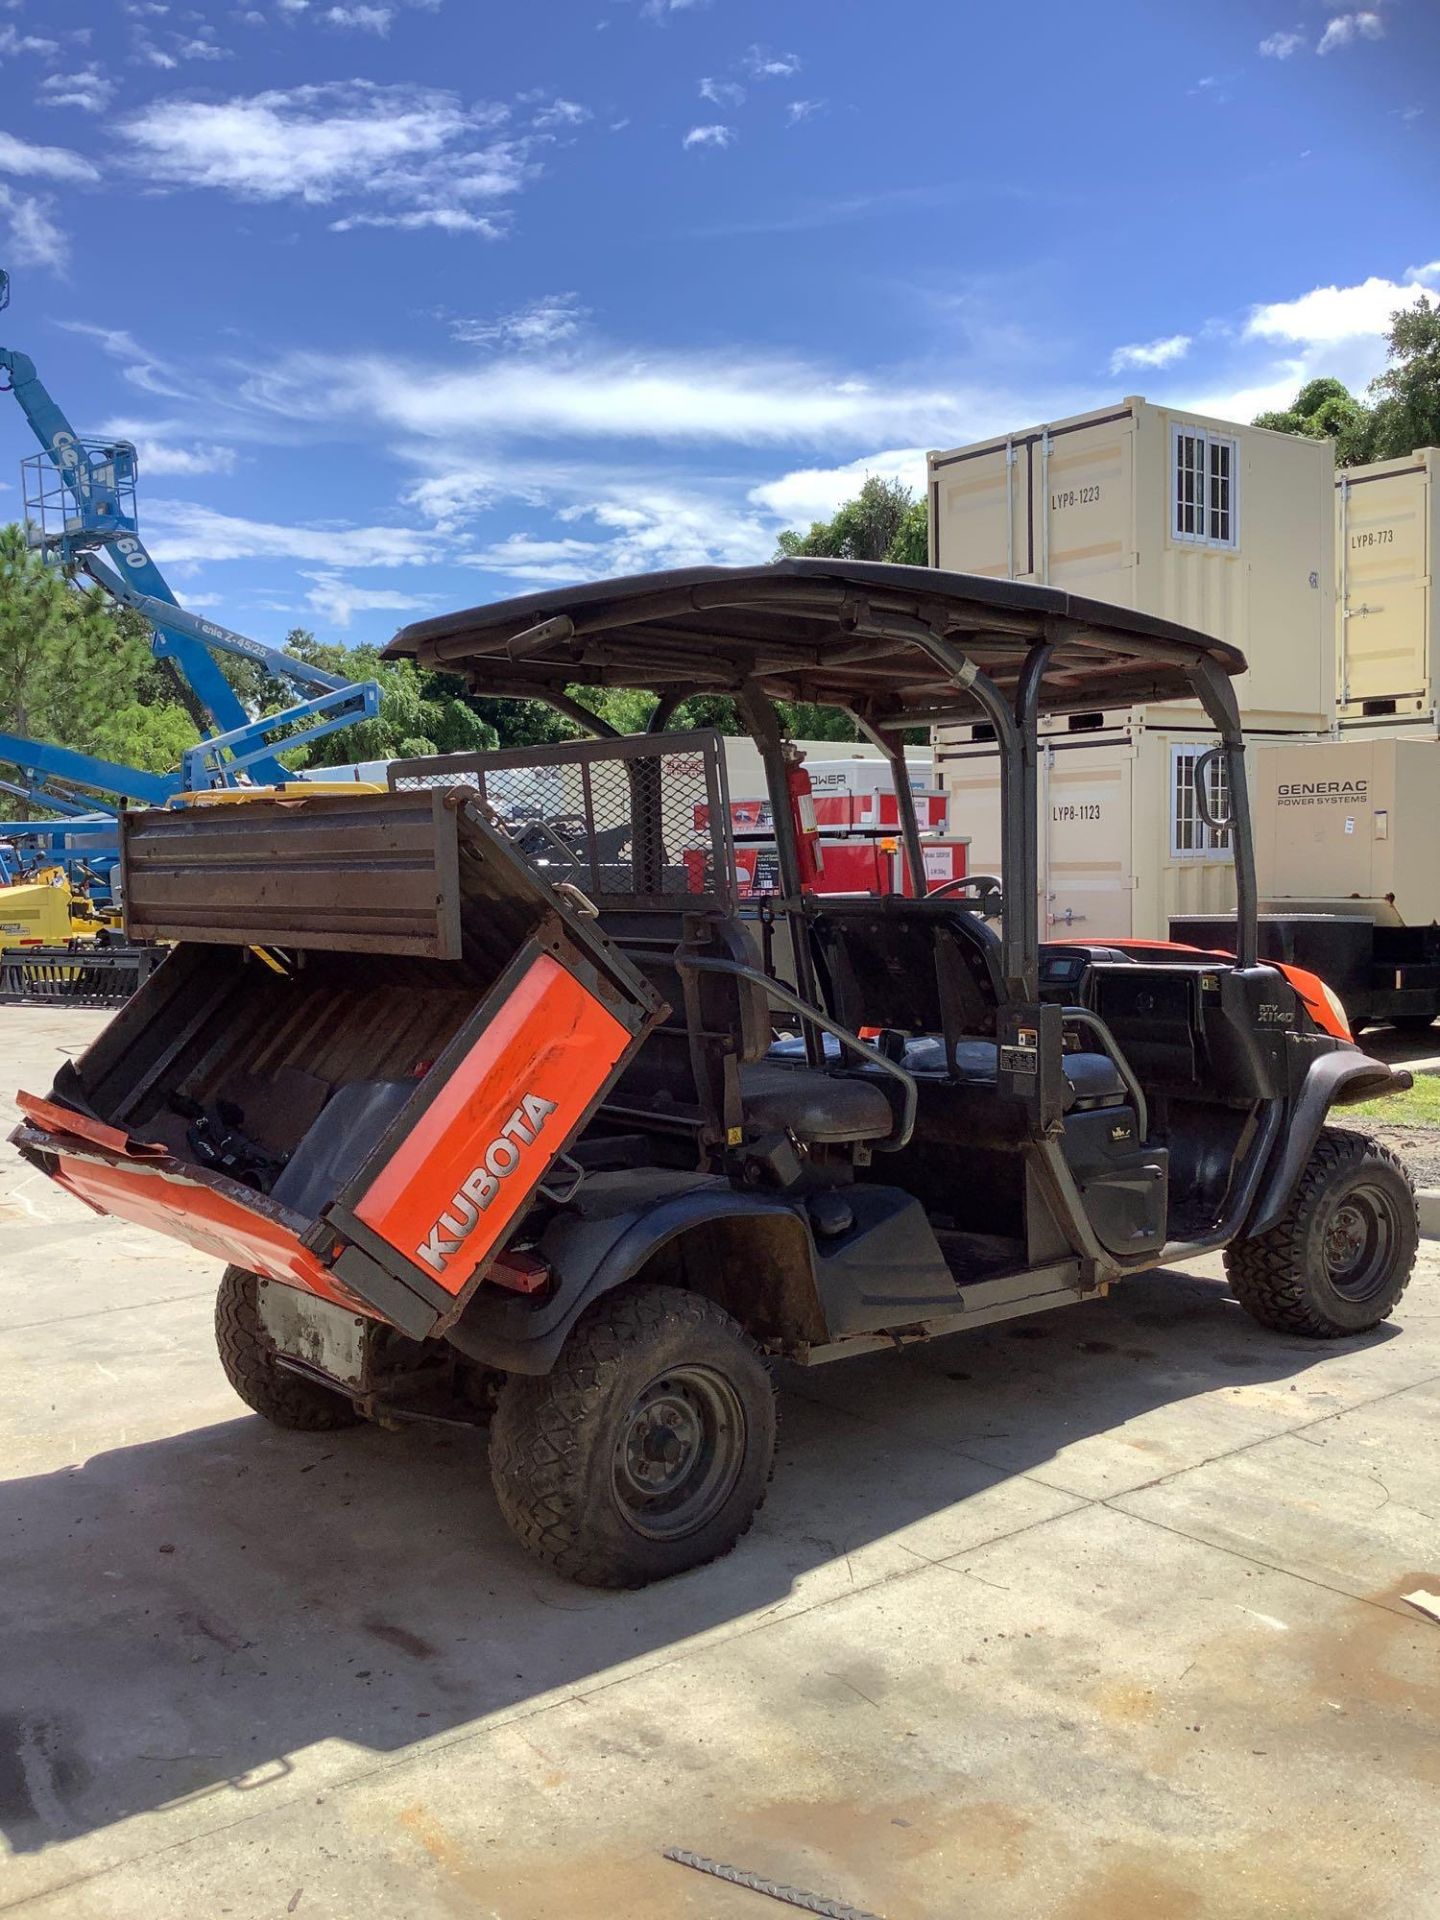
<point x="1190" y="837"/>
<point x="1205" y="503"/>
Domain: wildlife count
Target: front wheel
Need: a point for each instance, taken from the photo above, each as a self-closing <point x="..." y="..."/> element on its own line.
<point x="1341" y="1256"/>
<point x="648" y="1448"/>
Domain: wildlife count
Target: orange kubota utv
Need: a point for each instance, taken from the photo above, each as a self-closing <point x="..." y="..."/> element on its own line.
<point x="501" y="1105"/>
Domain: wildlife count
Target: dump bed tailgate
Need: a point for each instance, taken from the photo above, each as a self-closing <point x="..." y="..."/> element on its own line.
<point x="401" y="1025"/>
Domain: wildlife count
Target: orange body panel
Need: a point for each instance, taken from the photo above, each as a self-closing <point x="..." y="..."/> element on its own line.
<point x="205" y="1219"/>
<point x="1309" y="986"/>
<point x="472" y="1159"/>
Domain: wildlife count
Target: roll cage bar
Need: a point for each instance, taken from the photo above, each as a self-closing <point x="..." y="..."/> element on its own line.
<point x="893" y="647"/>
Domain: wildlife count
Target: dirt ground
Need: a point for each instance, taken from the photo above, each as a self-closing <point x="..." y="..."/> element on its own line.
<point x="1418" y="1147"/>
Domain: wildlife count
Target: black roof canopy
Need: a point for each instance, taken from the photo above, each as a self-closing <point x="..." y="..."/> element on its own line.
<point x="845" y="633"/>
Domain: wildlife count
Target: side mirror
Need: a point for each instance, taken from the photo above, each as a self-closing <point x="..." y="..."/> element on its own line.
<point x="1210" y="771"/>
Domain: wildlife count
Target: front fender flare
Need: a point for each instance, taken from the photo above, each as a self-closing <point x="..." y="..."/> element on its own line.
<point x="1337" y="1079"/>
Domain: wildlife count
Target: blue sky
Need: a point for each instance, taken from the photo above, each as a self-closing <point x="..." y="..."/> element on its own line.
<point x="416" y="303"/>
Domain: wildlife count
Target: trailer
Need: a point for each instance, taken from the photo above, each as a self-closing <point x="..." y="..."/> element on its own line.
<point x="1348" y="874"/>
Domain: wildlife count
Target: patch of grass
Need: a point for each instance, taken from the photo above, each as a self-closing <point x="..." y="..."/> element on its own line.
<point x="1420" y="1107"/>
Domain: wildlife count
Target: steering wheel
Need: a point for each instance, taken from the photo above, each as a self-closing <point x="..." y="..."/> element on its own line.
<point x="990" y="901"/>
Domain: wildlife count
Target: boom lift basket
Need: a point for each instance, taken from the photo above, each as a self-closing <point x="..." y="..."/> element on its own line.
<point x="378" y="1035"/>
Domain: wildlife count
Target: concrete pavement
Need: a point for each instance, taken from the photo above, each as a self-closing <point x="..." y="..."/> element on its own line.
<point x="1094" y="1616"/>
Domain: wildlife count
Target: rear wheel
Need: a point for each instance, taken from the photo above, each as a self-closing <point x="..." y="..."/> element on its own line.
<point x="248" y="1356"/>
<point x="1341" y="1257"/>
<point x="647" y="1450"/>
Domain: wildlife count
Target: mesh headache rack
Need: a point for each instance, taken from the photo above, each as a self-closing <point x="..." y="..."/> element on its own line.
<point x="631" y="822"/>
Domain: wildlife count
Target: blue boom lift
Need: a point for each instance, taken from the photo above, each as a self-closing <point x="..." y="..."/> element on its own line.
<point x="79" y="500"/>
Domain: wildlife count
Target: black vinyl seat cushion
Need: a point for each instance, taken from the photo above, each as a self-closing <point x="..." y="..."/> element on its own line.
<point x="1091" y="1079"/>
<point x="821" y="1109"/>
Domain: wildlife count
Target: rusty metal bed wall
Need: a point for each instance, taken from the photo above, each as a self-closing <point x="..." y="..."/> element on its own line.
<point x="633" y="821"/>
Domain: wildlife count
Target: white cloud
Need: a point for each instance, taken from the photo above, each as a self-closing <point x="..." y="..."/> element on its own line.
<point x="1151" y="353"/>
<point x="180" y="532"/>
<point x="630" y="525"/>
<point x="35" y="240"/>
<point x="43" y="163"/>
<point x="1428" y="275"/>
<point x="147" y="54"/>
<point x="742" y="398"/>
<point x="363" y="19"/>
<point x="771" y="66"/>
<point x="199" y="47"/>
<point x="722" y="93"/>
<point x="560" y="113"/>
<point x="161" y="454"/>
<point x="1329" y="314"/>
<point x="709" y="137"/>
<point x="799" y="110"/>
<point x="814" y="493"/>
<point x="660" y="10"/>
<point x="546" y="562"/>
<point x="444" y="219"/>
<point x="337" y="599"/>
<point x="1280" y="46"/>
<point x="1345" y="27"/>
<point x="543" y="323"/>
<point x="411" y="149"/>
<point x="12" y="41"/>
<point x="89" y="90"/>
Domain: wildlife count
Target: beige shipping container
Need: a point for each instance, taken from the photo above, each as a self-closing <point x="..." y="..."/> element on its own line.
<point x="1387" y="540"/>
<point x="1226" y="528"/>
<point x="1349" y="821"/>
<point x="1122" y="845"/>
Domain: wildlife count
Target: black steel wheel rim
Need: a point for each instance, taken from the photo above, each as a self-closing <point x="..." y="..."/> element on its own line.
<point x="1360" y="1239"/>
<point x="679" y="1452"/>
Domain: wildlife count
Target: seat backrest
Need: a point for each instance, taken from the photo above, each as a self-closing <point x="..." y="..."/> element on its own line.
<point x="678" y="1074"/>
<point x="917" y="966"/>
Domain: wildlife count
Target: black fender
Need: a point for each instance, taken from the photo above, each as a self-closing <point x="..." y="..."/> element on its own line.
<point x="1338" y="1079"/>
<point x="590" y="1254"/>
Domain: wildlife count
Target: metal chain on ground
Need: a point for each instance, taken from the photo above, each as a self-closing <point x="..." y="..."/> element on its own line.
<point x="774" y="1889"/>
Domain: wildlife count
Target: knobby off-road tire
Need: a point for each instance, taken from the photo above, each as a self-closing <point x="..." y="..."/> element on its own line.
<point x="649" y="1447"/>
<point x="248" y="1357"/>
<point x="1341" y="1257"/>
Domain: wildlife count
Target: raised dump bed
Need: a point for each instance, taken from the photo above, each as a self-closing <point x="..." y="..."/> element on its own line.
<point x="378" y="1033"/>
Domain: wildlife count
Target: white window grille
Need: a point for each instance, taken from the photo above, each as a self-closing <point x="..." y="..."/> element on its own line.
<point x="1205" y="500"/>
<point x="1191" y="837"/>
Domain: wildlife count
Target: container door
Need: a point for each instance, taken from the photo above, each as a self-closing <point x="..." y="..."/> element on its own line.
<point x="1085" y="852"/>
<point x="1385" y="588"/>
<point x="1084" y="480"/>
<point x="980" y="513"/>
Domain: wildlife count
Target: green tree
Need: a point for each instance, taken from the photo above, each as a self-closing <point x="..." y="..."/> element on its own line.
<point x="1326" y="409"/>
<point x="911" y="545"/>
<point x="420" y="713"/>
<point x="77" y="671"/>
<point x="1406" y="396"/>
<point x="880" y="523"/>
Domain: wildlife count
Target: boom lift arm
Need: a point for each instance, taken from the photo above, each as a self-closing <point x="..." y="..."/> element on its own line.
<point x="81" y="495"/>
